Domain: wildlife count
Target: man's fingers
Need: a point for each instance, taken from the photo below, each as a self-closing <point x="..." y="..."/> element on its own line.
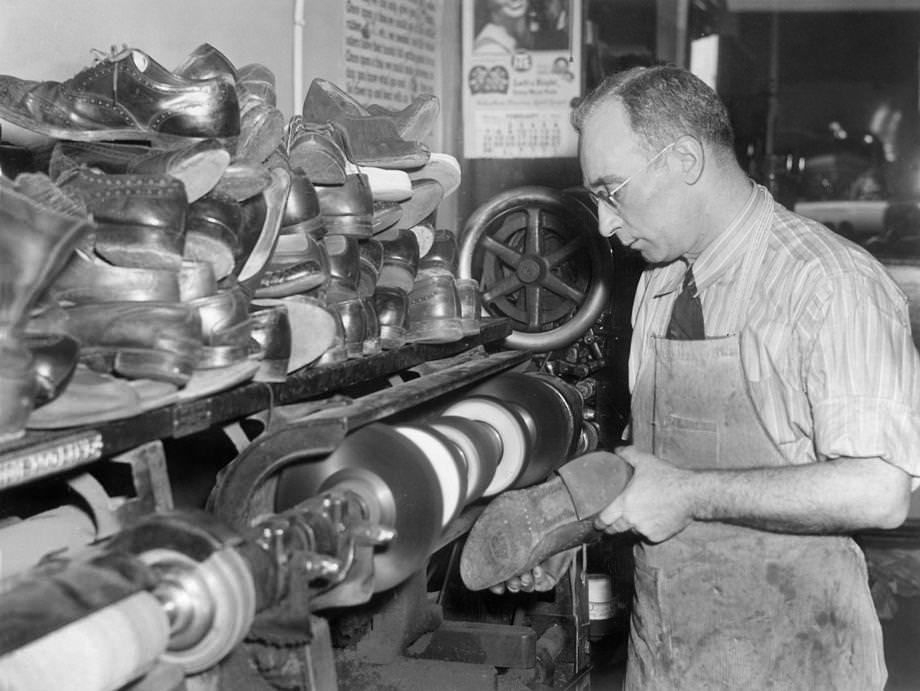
<point x="628" y="454"/>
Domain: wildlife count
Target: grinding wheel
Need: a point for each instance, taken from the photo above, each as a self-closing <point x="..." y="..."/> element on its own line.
<point x="448" y="462"/>
<point x="397" y="482"/>
<point x="511" y="429"/>
<point x="480" y="445"/>
<point x="553" y="419"/>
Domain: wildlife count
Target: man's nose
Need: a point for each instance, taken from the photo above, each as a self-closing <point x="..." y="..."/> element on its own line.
<point x="609" y="222"/>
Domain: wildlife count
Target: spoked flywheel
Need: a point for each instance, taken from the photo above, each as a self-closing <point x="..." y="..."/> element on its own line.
<point x="540" y="262"/>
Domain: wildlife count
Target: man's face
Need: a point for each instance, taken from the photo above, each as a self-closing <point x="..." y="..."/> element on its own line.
<point x="649" y="216"/>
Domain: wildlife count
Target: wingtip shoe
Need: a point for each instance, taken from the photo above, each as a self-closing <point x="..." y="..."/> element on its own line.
<point x="127" y="95"/>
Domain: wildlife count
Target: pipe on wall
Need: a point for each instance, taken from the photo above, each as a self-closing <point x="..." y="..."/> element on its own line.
<point x="297" y="56"/>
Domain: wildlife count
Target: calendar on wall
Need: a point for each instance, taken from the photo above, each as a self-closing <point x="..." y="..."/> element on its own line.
<point x="522" y="71"/>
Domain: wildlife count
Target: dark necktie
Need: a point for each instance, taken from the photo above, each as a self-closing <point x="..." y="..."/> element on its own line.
<point x="687" y="316"/>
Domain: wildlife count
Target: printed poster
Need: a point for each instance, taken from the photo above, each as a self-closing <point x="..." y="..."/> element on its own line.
<point x="522" y="69"/>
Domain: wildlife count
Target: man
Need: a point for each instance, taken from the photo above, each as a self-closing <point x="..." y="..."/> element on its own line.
<point x="762" y="435"/>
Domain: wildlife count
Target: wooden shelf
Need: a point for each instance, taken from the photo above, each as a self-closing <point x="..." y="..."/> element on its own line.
<point x="44" y="453"/>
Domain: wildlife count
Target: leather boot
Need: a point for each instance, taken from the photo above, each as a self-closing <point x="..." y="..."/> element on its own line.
<point x="126" y="96"/>
<point x="141" y="219"/>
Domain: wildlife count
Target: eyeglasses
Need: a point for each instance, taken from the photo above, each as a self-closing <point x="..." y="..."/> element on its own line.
<point x="609" y="197"/>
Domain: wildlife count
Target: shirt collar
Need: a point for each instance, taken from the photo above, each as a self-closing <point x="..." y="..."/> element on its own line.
<point x="724" y="252"/>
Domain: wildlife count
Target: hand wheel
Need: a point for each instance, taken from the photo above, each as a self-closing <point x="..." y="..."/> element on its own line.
<point x="540" y="262"/>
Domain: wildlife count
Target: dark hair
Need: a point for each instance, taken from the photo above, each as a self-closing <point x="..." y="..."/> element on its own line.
<point x="663" y="102"/>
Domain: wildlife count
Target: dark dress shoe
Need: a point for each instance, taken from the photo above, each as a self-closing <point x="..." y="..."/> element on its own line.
<point x="88" y="278"/>
<point x="207" y="62"/>
<point x="392" y="307"/>
<point x="521" y="528"/>
<point x="256" y="81"/>
<point x="369" y="140"/>
<point x="152" y="340"/>
<point x="344" y="265"/>
<point x="36" y="240"/>
<point x="141" y="219"/>
<point x="400" y="261"/>
<point x="198" y="165"/>
<point x="125" y="96"/>
<point x="315" y="149"/>
<point x="347" y="209"/>
<point x="262" y="216"/>
<point x="441" y="258"/>
<point x="213" y="227"/>
<point x="416" y="120"/>
<point x="302" y="212"/>
<point x="242" y="180"/>
<point x="54" y="360"/>
<point x="16" y="159"/>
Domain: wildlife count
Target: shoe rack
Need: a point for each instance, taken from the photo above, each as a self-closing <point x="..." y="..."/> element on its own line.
<point x="41" y="454"/>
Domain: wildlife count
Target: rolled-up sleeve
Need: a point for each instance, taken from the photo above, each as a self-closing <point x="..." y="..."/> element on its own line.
<point x="863" y="372"/>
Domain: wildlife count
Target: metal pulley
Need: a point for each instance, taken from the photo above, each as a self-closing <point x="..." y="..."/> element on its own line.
<point x="540" y="262"/>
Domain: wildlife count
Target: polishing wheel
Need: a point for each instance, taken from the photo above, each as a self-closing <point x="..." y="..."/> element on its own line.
<point x="552" y="412"/>
<point x="480" y="445"/>
<point x="396" y="480"/>
<point x="511" y="429"/>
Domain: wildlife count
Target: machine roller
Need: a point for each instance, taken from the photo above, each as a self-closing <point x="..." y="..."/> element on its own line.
<point x="184" y="588"/>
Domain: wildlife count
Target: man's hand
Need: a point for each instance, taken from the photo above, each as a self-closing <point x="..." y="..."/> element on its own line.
<point x="657" y="503"/>
<point x="543" y="577"/>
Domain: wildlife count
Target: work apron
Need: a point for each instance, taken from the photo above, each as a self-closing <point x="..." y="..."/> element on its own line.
<point x="720" y="606"/>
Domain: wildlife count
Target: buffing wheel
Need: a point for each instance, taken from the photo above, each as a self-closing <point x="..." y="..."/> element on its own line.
<point x="448" y="462"/>
<point x="480" y="445"/>
<point x="396" y="480"/>
<point x="511" y="429"/>
<point x="552" y="411"/>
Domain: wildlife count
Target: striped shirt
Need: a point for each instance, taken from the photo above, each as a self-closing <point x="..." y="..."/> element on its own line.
<point x="826" y="347"/>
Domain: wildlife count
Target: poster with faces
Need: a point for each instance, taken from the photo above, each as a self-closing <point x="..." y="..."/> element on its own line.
<point x="521" y="69"/>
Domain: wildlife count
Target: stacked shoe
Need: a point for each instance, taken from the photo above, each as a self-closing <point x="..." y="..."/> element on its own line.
<point x="124" y="96"/>
<point x="299" y="262"/>
<point x="41" y="227"/>
<point x="394" y="283"/>
<point x="434" y="301"/>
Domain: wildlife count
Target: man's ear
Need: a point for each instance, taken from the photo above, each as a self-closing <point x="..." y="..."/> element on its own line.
<point x="692" y="157"/>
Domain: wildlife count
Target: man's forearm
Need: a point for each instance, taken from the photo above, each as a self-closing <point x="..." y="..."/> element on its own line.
<point x="834" y="496"/>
